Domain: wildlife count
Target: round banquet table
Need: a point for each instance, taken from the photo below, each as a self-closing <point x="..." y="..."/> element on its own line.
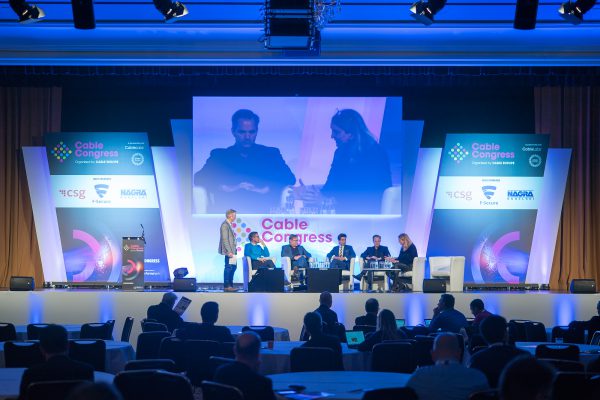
<point x="73" y="331"/>
<point x="117" y="355"/>
<point x="339" y="385"/>
<point x="10" y="380"/>
<point x="277" y="360"/>
<point x="587" y="353"/>
<point x="281" y="334"/>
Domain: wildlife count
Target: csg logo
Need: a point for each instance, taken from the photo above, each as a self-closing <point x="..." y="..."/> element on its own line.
<point x="73" y="193"/>
<point x="460" y="195"/>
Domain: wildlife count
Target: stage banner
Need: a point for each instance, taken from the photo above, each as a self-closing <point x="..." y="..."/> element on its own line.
<point x="104" y="188"/>
<point x="486" y="203"/>
<point x="133" y="262"/>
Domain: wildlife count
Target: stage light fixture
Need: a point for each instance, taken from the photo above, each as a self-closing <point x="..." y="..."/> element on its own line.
<point x="171" y="10"/>
<point x="526" y="14"/>
<point x="27" y="13"/>
<point x="424" y="10"/>
<point x="289" y="24"/>
<point x="573" y="11"/>
<point x="83" y="14"/>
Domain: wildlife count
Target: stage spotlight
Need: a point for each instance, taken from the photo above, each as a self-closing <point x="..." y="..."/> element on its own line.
<point x="171" y="10"/>
<point x="180" y="273"/>
<point x="424" y="10"/>
<point x="289" y="24"/>
<point x="27" y="13"/>
<point x="83" y="14"/>
<point x="526" y="14"/>
<point x="573" y="11"/>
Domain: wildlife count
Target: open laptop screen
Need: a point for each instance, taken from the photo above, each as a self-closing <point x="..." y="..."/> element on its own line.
<point x="427" y="322"/>
<point x="400" y="322"/>
<point x="354" y="338"/>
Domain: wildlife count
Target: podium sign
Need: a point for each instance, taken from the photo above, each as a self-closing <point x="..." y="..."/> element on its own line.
<point x="132" y="271"/>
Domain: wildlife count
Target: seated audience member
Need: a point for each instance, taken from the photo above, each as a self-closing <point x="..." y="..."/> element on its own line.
<point x="163" y="312"/>
<point x="54" y="345"/>
<point x="327" y="314"/>
<point x="207" y="330"/>
<point x="243" y="373"/>
<point x="298" y="256"/>
<point x="258" y="252"/>
<point x="386" y="330"/>
<point x="445" y="317"/>
<point x="448" y="379"/>
<point x="492" y="360"/>
<point x="341" y="255"/>
<point x="479" y="312"/>
<point x="95" y="391"/>
<point x="313" y="324"/>
<point x="370" y="318"/>
<point x="526" y="378"/>
<point x="591" y="326"/>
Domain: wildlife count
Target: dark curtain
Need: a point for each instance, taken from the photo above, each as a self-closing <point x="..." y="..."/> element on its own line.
<point x="25" y="115"/>
<point x="571" y="115"/>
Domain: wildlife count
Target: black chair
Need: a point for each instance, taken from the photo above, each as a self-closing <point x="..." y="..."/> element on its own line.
<point x="569" y="334"/>
<point x="594" y="386"/>
<point x="593" y="367"/>
<point x="594" y="338"/>
<point x="153" y="385"/>
<point x="305" y="359"/>
<point x="226" y="349"/>
<point x="148" y="344"/>
<point x="557" y="351"/>
<point x="393" y="357"/>
<point x="569" y="385"/>
<point x="516" y="330"/>
<point x="266" y="333"/>
<point x="96" y="330"/>
<point x="400" y="393"/>
<point x="7" y="332"/>
<point x="215" y="362"/>
<point x="33" y="331"/>
<point x="127" y="326"/>
<point x="136" y="365"/>
<point x="173" y="349"/>
<point x="218" y="391"/>
<point x="412" y="331"/>
<point x="365" y="328"/>
<point x="22" y="354"/>
<point x="90" y="351"/>
<point x="565" y="365"/>
<point x="485" y="395"/>
<point x="337" y="329"/>
<point x="535" y="332"/>
<point x="198" y="353"/>
<point x="51" y="390"/>
<point x="154" y="327"/>
<point x="422" y="350"/>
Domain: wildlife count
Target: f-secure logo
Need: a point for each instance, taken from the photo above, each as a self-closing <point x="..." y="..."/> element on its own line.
<point x="61" y="151"/>
<point x="458" y="153"/>
<point x="488" y="191"/>
<point x="101" y="189"/>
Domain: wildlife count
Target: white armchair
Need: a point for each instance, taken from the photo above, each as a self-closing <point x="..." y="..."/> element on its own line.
<point x="286" y="265"/>
<point x="349" y="284"/>
<point x="417" y="274"/>
<point x="451" y="268"/>
<point x="248" y="271"/>
<point x="364" y="283"/>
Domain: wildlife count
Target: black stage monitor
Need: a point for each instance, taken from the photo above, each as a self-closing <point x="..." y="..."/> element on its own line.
<point x="20" y="283"/>
<point x="184" y="285"/>
<point x="267" y="280"/>
<point x="434" y="285"/>
<point x="323" y="280"/>
<point x="583" y="286"/>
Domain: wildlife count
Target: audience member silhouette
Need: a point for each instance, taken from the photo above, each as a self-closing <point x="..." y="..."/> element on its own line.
<point x="327" y="314"/>
<point x="370" y="318"/>
<point x="445" y="317"/>
<point x="313" y="324"/>
<point x="448" y="379"/>
<point x="386" y="330"/>
<point x="243" y="373"/>
<point x="163" y="312"/>
<point x="54" y="345"/>
<point x="591" y="325"/>
<point x="479" y="312"/>
<point x="526" y="378"/>
<point x="206" y="330"/>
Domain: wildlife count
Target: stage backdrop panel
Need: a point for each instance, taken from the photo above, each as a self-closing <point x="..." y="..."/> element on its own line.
<point x="489" y="190"/>
<point x="103" y="187"/>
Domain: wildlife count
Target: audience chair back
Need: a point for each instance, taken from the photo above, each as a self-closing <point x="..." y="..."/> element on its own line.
<point x="218" y="391"/>
<point x="153" y="385"/>
<point x="198" y="353"/>
<point x="172" y="348"/>
<point x="594" y="386"/>
<point x="393" y="357"/>
<point x="164" y="364"/>
<point x="22" y="354"/>
<point x="535" y="332"/>
<point x="92" y="352"/>
<point x="412" y="331"/>
<point x="595" y="340"/>
<point x="226" y="349"/>
<point x="516" y="330"/>
<point x="51" y="390"/>
<point x="365" y="328"/>
<point x="422" y="350"/>
<point x="557" y="351"/>
<point x="569" y="385"/>
<point x="491" y="394"/>
<point x="565" y="365"/>
<point x="400" y="393"/>
<point x="154" y="327"/>
<point x="127" y="326"/>
<point x="571" y="334"/>
<point x="337" y="329"/>
<point x="7" y="332"/>
<point x="33" y="331"/>
<point x="148" y="344"/>
<point x="99" y="330"/>
<point x="305" y="359"/>
<point x="215" y="362"/>
<point x="266" y="333"/>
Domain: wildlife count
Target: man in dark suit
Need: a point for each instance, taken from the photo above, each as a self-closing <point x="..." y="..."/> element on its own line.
<point x="313" y="325"/>
<point x="207" y="330"/>
<point x="324" y="310"/>
<point x="58" y="366"/>
<point x="243" y="372"/>
<point x="370" y="318"/>
<point x="377" y="252"/>
<point x="492" y="360"/>
<point x="341" y="255"/>
<point x="163" y="312"/>
<point x="298" y="256"/>
<point x="445" y="317"/>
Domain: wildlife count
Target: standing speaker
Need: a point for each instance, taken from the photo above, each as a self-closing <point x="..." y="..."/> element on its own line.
<point x="21" y="283"/>
<point x="184" y="285"/>
<point x="583" y="286"/>
<point x="434" y="286"/>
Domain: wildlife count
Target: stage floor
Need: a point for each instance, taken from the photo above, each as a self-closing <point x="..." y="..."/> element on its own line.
<point x="77" y="306"/>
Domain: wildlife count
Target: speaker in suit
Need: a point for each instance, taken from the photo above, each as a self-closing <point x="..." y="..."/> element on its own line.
<point x="228" y="248"/>
<point x="347" y="254"/>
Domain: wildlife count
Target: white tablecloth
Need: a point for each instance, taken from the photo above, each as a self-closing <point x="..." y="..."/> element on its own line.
<point x="281" y="334"/>
<point x="10" y="380"/>
<point x="587" y="353"/>
<point x="277" y="360"/>
<point x="73" y="331"/>
<point x="117" y="355"/>
<point x="342" y="385"/>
